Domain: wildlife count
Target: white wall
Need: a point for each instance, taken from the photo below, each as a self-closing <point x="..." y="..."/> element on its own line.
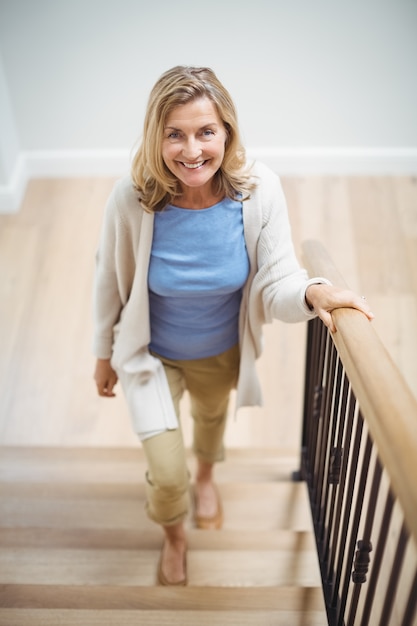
<point x="9" y="143"/>
<point x="312" y="79"/>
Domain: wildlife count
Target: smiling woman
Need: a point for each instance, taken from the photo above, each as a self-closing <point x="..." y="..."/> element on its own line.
<point x="175" y="89"/>
<point x="193" y="150"/>
<point x="195" y="256"/>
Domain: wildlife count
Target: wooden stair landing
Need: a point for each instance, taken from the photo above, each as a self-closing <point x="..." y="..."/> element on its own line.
<point x="76" y="547"/>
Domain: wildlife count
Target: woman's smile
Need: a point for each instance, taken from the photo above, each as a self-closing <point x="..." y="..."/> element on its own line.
<point x="194" y="166"/>
<point x="194" y="144"/>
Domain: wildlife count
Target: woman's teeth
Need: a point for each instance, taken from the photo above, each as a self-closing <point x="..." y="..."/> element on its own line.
<point x="193" y="166"/>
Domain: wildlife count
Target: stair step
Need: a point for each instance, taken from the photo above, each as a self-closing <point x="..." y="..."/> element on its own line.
<point x="158" y="598"/>
<point x="127" y="465"/>
<point x="77" y="548"/>
<point x="256" y="506"/>
<point x="42" y="605"/>
<point x="151" y="539"/>
<point x="173" y="617"/>
<point x="138" y="567"/>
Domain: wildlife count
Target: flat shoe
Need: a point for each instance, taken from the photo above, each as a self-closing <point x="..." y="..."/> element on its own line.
<point x="162" y="579"/>
<point x="215" y="522"/>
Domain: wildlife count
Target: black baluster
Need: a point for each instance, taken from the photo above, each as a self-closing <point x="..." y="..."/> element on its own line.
<point x="361" y="562"/>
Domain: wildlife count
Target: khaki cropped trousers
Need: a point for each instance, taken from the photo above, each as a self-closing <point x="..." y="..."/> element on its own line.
<point x="209" y="382"/>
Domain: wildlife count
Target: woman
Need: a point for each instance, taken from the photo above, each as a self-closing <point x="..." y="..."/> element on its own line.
<point x="195" y="256"/>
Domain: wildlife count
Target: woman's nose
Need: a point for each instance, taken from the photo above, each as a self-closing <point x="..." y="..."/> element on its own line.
<point x="192" y="149"/>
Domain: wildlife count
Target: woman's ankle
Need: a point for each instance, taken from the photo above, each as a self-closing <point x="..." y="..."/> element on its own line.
<point x="204" y="471"/>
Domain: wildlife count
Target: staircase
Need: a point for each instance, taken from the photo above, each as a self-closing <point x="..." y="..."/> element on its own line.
<point x="76" y="547"/>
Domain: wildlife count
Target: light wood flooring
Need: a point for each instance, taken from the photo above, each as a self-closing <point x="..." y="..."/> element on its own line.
<point x="47" y="394"/>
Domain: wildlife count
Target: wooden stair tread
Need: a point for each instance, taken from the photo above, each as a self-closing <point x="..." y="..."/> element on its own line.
<point x="151" y="539"/>
<point x="262" y="506"/>
<point x="76" y="545"/>
<point x="43" y="605"/>
<point x="268" y="567"/>
<point x="127" y="465"/>
<point x="87" y="617"/>
<point x="159" y="598"/>
<point x="128" y="454"/>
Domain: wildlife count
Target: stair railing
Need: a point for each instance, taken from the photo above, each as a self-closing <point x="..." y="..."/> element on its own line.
<point x="359" y="460"/>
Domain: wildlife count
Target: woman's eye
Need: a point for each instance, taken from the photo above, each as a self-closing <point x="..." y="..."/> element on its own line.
<point x="208" y="132"/>
<point x="173" y="135"/>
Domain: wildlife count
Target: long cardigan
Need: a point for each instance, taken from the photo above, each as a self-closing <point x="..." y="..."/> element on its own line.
<point x="275" y="289"/>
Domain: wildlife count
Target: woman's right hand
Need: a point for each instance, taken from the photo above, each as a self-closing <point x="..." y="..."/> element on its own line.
<point x="105" y="377"/>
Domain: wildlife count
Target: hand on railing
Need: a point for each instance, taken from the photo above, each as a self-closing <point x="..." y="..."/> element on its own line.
<point x="326" y="298"/>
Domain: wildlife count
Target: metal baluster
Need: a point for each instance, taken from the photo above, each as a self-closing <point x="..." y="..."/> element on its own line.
<point x="394" y="577"/>
<point x="377" y="559"/>
<point x="319" y="473"/>
<point x="350" y="548"/>
<point x="315" y="359"/>
<point x="362" y="561"/>
<point x="346" y="444"/>
<point x="317" y="422"/>
<point x="335" y="466"/>
<point x="411" y="608"/>
<point x="333" y="422"/>
<point x="354" y="452"/>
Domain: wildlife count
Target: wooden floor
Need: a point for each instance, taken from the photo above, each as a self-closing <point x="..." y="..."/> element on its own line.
<point x="47" y="395"/>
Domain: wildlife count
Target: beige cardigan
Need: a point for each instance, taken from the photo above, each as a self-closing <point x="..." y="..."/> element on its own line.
<point x="275" y="289"/>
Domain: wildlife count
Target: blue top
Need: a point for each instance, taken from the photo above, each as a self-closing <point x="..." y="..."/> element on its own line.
<point x="198" y="267"/>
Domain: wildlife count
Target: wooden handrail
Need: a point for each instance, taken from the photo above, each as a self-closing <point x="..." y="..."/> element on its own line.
<point x="387" y="404"/>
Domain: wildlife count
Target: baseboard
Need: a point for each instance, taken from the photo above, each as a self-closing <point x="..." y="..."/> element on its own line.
<point x="12" y="193"/>
<point x="285" y="161"/>
<point x="77" y="163"/>
<point x="338" y="161"/>
<point x="60" y="164"/>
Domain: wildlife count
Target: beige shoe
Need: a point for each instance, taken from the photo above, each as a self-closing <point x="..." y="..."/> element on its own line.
<point x="215" y="522"/>
<point x="162" y="579"/>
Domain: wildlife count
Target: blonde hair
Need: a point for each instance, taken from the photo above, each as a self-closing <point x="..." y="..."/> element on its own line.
<point x="157" y="186"/>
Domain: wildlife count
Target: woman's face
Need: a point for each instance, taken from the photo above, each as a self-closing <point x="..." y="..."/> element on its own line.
<point x="194" y="143"/>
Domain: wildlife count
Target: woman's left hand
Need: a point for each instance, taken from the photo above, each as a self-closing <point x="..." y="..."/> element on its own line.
<point x="325" y="298"/>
